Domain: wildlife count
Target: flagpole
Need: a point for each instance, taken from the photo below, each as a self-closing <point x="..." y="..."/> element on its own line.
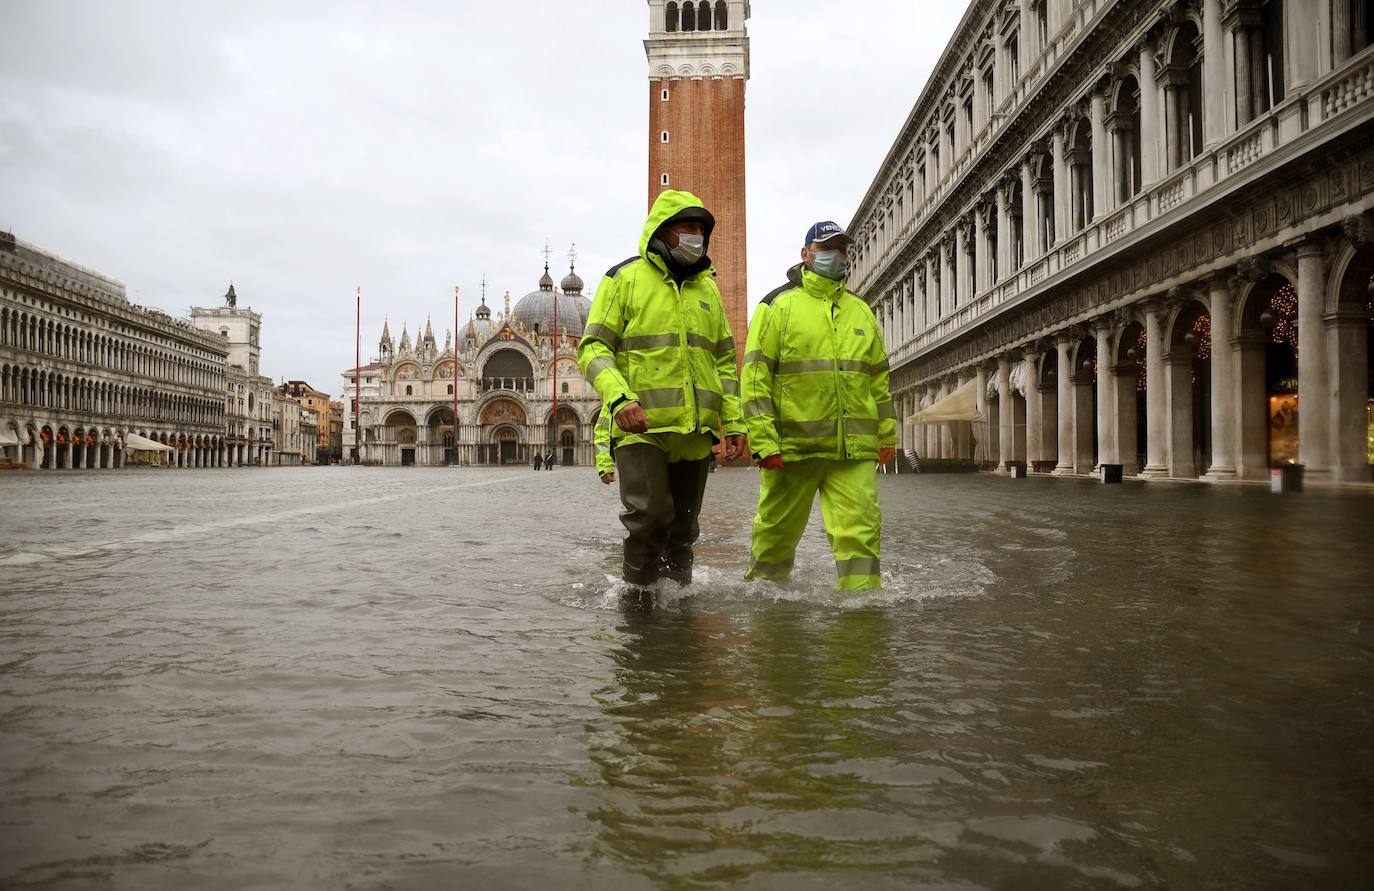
<point x="357" y="375"/>
<point x="557" y="441"/>
<point x="455" y="374"/>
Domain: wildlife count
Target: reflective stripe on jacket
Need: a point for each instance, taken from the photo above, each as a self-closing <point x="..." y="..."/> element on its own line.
<point x="665" y="346"/>
<point x="605" y="463"/>
<point x="815" y="379"/>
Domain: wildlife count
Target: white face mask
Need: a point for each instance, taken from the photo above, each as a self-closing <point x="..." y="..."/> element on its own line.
<point x="690" y="249"/>
<point x="829" y="264"/>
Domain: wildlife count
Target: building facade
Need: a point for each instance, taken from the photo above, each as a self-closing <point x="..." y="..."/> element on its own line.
<point x="248" y="395"/>
<point x="698" y="54"/>
<point x="1143" y="230"/>
<point x="81" y="368"/>
<point x="510" y="371"/>
<point x="313" y="400"/>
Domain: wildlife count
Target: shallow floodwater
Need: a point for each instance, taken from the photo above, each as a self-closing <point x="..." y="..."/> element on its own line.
<point x="409" y="678"/>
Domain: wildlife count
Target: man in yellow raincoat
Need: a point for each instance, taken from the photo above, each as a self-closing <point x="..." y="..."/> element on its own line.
<point x="658" y="348"/>
<point x="819" y="414"/>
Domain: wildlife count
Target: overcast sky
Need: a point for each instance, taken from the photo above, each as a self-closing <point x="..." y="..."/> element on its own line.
<point x="301" y="149"/>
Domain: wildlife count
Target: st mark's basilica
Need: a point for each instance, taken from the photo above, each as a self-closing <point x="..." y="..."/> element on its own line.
<point x="507" y="364"/>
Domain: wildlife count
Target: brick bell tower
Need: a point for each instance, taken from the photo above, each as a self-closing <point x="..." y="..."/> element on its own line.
<point x="698" y="64"/>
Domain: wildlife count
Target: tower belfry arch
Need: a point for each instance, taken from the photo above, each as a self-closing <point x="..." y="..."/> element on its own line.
<point x="697" y="80"/>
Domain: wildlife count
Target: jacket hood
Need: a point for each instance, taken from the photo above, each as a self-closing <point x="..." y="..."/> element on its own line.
<point x="671" y="206"/>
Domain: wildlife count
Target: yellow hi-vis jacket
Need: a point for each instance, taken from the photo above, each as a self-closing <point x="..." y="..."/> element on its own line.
<point x="664" y="345"/>
<point x="605" y="462"/>
<point x="815" y="378"/>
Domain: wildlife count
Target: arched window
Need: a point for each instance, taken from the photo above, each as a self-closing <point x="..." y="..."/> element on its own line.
<point x="409" y="390"/>
<point x="1183" y="97"/>
<point x="450" y="389"/>
<point x="689" y="16"/>
<point x="722" y="16"/>
<point x="565" y="386"/>
<point x="670" y="17"/>
<point x="1124" y="125"/>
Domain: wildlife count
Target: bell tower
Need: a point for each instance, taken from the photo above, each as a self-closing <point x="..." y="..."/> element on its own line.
<point x="698" y="56"/>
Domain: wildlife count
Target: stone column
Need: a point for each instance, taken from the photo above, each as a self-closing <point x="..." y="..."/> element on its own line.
<point x="931" y="176"/>
<point x="981" y="402"/>
<point x="1156" y="392"/>
<point x="1121" y="158"/>
<point x="1061" y="186"/>
<point x="1102" y="201"/>
<point x="964" y="437"/>
<point x="1214" y="126"/>
<point x="1034" y="432"/>
<point x="1349" y="390"/>
<point x="932" y="292"/>
<point x="1030" y="247"/>
<point x="1252" y="414"/>
<point x="1124" y="412"/>
<point x="960" y="265"/>
<point x="948" y="279"/>
<point x="1149" y="116"/>
<point x="1239" y="21"/>
<point x="946" y="433"/>
<point x="932" y="431"/>
<point x="1301" y="46"/>
<point x="1178" y="372"/>
<point x="1174" y="125"/>
<point x="1005" y="266"/>
<point x="1341" y="43"/>
<point x="1220" y="299"/>
<point x="1106" y="392"/>
<point x="1314" y="382"/>
<point x="980" y="243"/>
<point x="1006" y="416"/>
<point x="1083" y="441"/>
<point x="1063" y="374"/>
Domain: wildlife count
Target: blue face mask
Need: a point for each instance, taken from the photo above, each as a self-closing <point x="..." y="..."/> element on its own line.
<point x="830" y="264"/>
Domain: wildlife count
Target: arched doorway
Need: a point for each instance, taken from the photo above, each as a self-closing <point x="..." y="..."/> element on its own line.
<point x="1268" y="375"/>
<point x="1188" y="367"/>
<point x="1351" y="331"/>
<point x="561" y="434"/>
<point x="1083" y="369"/>
<point x="399" y="432"/>
<point x="1128" y="370"/>
<point x="503" y="419"/>
<point x="441" y="439"/>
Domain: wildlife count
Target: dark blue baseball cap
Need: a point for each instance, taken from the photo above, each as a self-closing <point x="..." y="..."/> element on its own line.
<point x="824" y="231"/>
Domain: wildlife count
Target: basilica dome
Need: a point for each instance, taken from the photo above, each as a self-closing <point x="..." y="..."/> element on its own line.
<point x="535" y="309"/>
<point x="480" y="329"/>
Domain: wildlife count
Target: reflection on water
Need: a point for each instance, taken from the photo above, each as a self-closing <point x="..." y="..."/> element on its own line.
<point x="385" y="678"/>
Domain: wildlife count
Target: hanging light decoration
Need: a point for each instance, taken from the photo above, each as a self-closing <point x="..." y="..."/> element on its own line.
<point x="1283" y="307"/>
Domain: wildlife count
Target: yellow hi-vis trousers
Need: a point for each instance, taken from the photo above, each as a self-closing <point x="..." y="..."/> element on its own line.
<point x="849" y="507"/>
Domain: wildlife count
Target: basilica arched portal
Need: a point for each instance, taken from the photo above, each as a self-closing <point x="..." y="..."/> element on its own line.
<point x="504" y="422"/>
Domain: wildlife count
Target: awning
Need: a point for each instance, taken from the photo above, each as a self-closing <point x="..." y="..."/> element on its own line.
<point x="7" y="439"/>
<point x="144" y="444"/>
<point x="961" y="405"/>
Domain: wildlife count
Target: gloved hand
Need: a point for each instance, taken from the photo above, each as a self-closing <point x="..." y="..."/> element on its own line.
<point x="885" y="456"/>
<point x="608" y="478"/>
<point x="772" y="462"/>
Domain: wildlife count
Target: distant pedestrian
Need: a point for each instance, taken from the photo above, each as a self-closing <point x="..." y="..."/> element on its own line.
<point x="548" y="460"/>
<point x="819" y="410"/>
<point x="538" y="461"/>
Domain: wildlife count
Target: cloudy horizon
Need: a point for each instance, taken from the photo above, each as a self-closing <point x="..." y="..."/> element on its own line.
<point x="303" y="150"/>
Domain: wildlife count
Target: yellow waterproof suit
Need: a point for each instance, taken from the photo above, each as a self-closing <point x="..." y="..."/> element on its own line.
<point x="657" y="335"/>
<point x="815" y="391"/>
<point x="602" y="439"/>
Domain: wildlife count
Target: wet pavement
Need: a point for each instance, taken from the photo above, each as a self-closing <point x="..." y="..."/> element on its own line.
<point x="411" y="678"/>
